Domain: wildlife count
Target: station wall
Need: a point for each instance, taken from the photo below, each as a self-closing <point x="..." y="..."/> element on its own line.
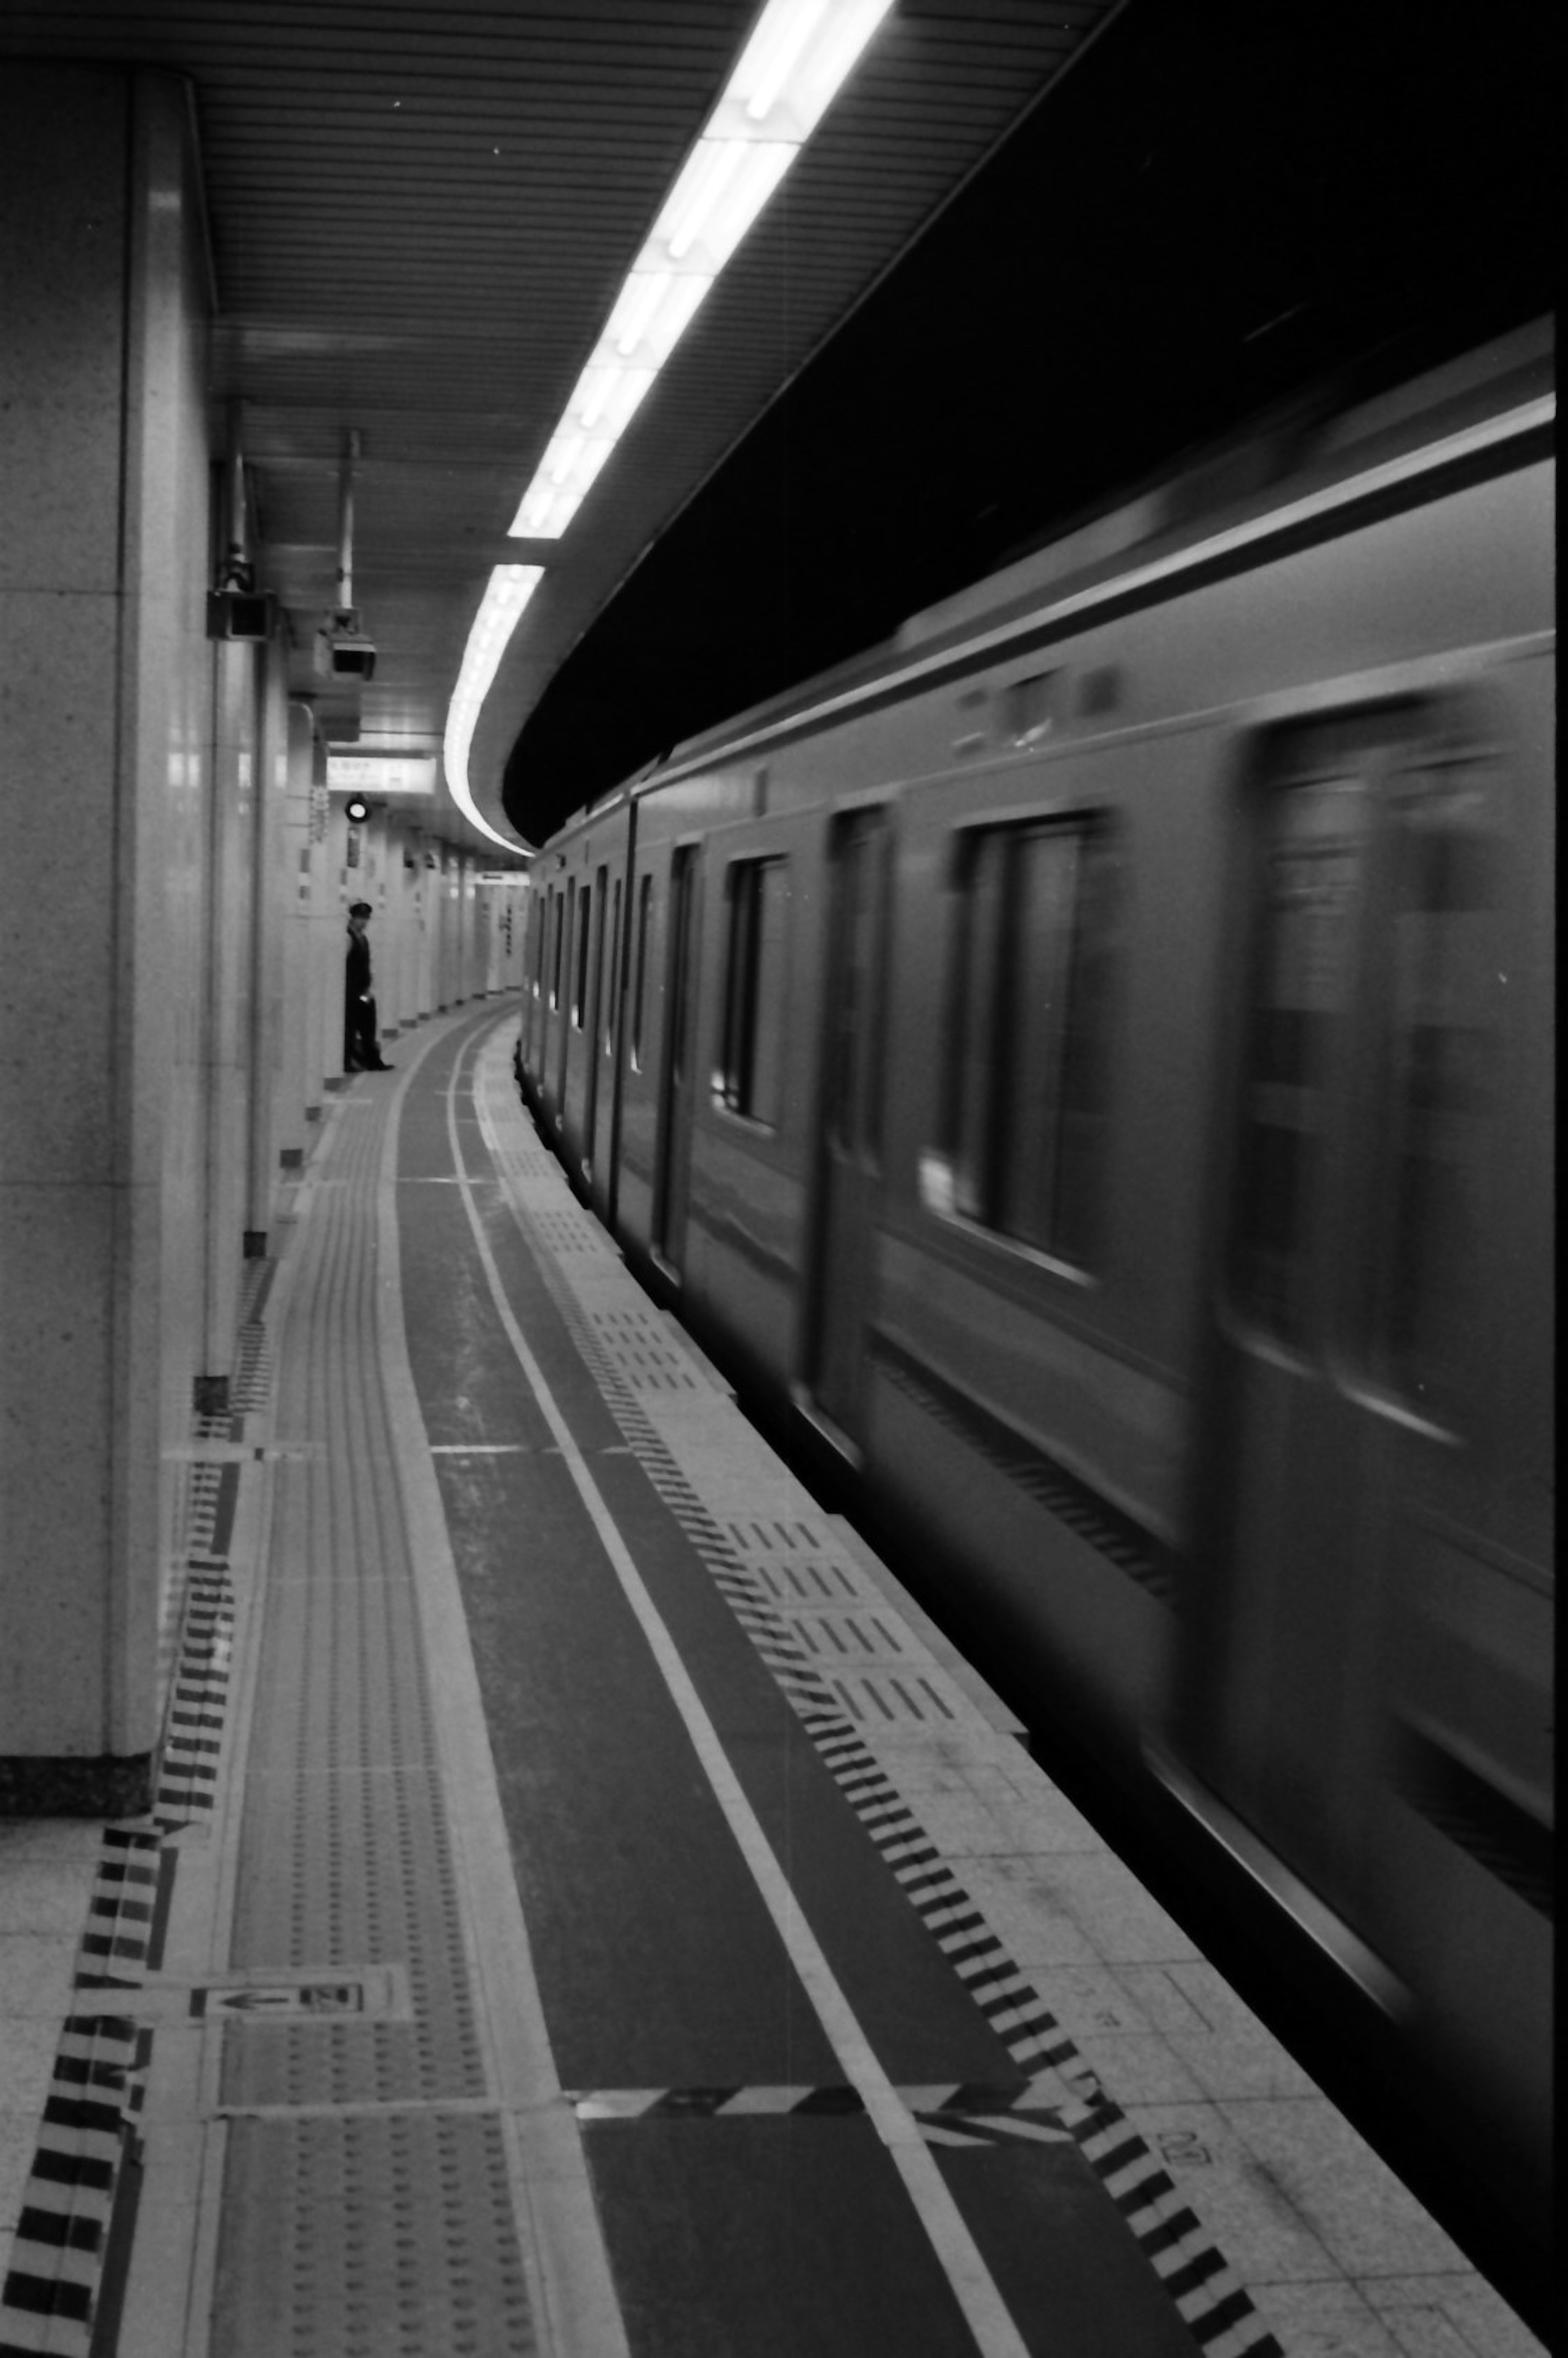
<point x="173" y="908"/>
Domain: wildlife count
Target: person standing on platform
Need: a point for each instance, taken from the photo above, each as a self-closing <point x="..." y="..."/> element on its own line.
<point x="362" y="1050"/>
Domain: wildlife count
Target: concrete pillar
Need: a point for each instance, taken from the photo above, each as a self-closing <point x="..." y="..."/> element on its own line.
<point x="375" y="888"/>
<point x="476" y="901"/>
<point x="437" y="884"/>
<point x="231" y="973"/>
<point x="426" y="921"/>
<point x="401" y="948"/>
<point x="345" y="862"/>
<point x="297" y="1100"/>
<point x="106" y="731"/>
<point x="326" y="926"/>
<point x="269" y="903"/>
<point x="464" y="867"/>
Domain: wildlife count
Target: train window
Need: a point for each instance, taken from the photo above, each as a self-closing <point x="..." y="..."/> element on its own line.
<point x="1313" y="884"/>
<point x="584" y="940"/>
<point x="750" y="1077"/>
<point x="537" y="915"/>
<point x="1028" y="1032"/>
<point x="607" y="1005"/>
<point x="1438" y="1058"/>
<point x="558" y="917"/>
<point x="1028" y="708"/>
<point x="1366" y="1075"/>
<point x="639" y="999"/>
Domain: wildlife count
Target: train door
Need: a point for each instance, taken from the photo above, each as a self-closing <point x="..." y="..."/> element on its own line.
<point x="565" y="911"/>
<point x="601" y="1105"/>
<point x="539" y="929"/>
<point x="850" y="1165"/>
<point x="1340" y="1310"/>
<point x="593" y="993"/>
<point x="678" y="1088"/>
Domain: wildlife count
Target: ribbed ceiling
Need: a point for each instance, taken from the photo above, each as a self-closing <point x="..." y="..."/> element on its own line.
<point x="420" y="216"/>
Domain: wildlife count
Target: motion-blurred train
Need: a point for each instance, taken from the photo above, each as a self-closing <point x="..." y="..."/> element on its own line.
<point x="1090" y="1061"/>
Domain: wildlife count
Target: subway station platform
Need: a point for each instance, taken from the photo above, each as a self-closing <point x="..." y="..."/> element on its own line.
<point x="588" y="1910"/>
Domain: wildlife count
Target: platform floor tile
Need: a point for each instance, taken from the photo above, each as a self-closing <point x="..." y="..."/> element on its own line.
<point x="390" y="2237"/>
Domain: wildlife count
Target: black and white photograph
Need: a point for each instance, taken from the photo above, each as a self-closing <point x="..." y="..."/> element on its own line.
<point x="777" y="1321"/>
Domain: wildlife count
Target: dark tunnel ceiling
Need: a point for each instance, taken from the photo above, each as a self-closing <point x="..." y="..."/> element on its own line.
<point x="1222" y="206"/>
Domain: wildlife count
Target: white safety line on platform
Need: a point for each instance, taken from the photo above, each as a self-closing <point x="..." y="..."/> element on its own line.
<point x="973" y="2284"/>
<point x="769" y="1550"/>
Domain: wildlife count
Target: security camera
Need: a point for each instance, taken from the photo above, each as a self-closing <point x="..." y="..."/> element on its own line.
<point x="342" y="650"/>
<point x="238" y="613"/>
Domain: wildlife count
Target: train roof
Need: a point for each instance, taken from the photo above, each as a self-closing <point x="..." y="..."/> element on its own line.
<point x="1317" y="440"/>
<point x="1305" y="444"/>
<point x="1311" y="445"/>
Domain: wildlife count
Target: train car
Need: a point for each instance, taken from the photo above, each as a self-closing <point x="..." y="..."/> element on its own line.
<point x="1089" y="1063"/>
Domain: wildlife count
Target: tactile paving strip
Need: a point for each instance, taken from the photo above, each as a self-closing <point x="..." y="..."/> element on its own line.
<point x="755" y="1573"/>
<point x="367" y="2204"/>
<point x="386" y="2236"/>
<point x="345" y="1858"/>
<point x="342" y="1871"/>
<point x="637" y="1343"/>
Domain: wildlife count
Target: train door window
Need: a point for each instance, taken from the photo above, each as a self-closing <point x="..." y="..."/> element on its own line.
<point x="640" y="991"/>
<point x="564" y="963"/>
<point x="680" y="1054"/>
<point x="854" y="1046"/>
<point x="678" y="989"/>
<point x="1439" y="1058"/>
<point x="584" y="945"/>
<point x="1365" y="1081"/>
<point x="975" y="1027"/>
<point x="1028" y="1030"/>
<point x="1313" y="880"/>
<point x="557" y="914"/>
<point x="1028" y="708"/>
<point x="750" y="1077"/>
<point x="607" y="1003"/>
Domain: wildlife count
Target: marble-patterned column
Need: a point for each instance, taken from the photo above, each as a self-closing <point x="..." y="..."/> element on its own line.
<point x="106" y="731"/>
<point x="298" y="1099"/>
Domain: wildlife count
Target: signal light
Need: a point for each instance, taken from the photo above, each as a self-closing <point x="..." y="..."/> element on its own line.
<point x="357" y="809"/>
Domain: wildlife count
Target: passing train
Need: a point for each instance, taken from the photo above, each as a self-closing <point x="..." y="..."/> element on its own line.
<point x="1089" y="1064"/>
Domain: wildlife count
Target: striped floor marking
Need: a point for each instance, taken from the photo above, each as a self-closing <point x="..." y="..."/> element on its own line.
<point x="949" y="2116"/>
<point x="89" y="2130"/>
<point x="1208" y="2295"/>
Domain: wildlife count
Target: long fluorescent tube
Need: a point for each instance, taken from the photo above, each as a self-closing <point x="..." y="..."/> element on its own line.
<point x="501" y="609"/>
<point x="797" y="58"/>
<point x="800" y="53"/>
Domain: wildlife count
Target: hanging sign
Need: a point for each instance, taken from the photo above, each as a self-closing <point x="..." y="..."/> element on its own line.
<point x="381" y="774"/>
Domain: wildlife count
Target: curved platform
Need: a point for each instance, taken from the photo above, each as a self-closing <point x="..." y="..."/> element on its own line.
<point x="589" y="1910"/>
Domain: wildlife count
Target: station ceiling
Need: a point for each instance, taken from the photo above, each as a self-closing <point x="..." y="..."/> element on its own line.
<point x="420" y="216"/>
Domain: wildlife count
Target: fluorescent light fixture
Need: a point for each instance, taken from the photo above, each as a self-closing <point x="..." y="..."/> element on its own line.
<point x="773" y="49"/>
<point x="652" y="313"/>
<point x="500" y="608"/>
<point x="794" y="66"/>
<point x="798" y="55"/>
<point x="725" y="184"/>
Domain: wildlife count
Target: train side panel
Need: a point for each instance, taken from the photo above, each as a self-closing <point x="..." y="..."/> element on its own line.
<point x="1101" y="1075"/>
